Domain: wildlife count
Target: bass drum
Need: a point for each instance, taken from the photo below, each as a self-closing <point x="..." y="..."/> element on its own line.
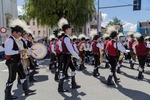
<point x="38" y="51"/>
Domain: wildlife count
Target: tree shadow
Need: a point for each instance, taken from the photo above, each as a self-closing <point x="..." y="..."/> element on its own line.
<point x="133" y="94"/>
<point x="74" y="93"/>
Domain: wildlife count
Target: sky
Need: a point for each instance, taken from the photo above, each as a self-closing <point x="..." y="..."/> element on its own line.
<point x="126" y="14"/>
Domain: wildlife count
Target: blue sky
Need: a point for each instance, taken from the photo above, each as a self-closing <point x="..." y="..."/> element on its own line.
<point x="126" y="14"/>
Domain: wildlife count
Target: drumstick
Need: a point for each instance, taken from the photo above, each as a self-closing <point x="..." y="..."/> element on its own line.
<point x="33" y="52"/>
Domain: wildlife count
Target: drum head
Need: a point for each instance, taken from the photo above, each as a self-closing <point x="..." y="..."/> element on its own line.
<point x="39" y="51"/>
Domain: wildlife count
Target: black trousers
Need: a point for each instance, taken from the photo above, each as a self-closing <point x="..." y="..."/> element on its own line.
<point x="97" y="60"/>
<point x="14" y="67"/>
<point x="52" y="58"/>
<point x="82" y="56"/>
<point x="60" y="61"/>
<point x="142" y="60"/>
<point x="32" y="66"/>
<point x="113" y="62"/>
<point x="67" y="63"/>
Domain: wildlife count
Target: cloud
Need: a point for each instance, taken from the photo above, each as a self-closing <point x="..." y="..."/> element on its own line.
<point x="105" y="19"/>
<point x="126" y="25"/>
<point x="129" y="26"/>
<point x="20" y="10"/>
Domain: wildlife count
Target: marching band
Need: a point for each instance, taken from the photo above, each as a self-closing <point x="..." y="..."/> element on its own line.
<point x="19" y="53"/>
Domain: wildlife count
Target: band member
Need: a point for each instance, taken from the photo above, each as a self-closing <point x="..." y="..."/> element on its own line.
<point x="96" y="47"/>
<point x="141" y="51"/>
<point x="121" y="39"/>
<point x="82" y="50"/>
<point x="88" y="49"/>
<point x="74" y="44"/>
<point x="132" y="54"/>
<point x="147" y="41"/>
<point x="59" y="54"/>
<point x="67" y="51"/>
<point x="106" y="38"/>
<point x="13" y="52"/>
<point x="111" y="49"/>
<point x="52" y="52"/>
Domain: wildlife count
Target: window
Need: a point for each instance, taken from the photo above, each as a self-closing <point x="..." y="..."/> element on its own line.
<point x="33" y="22"/>
<point x="28" y="23"/>
<point x="39" y="33"/>
<point x="33" y="32"/>
<point x="43" y="33"/>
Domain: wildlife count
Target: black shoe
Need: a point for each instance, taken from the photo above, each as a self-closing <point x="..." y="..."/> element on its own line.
<point x="96" y="74"/>
<point x="140" y="75"/>
<point x="37" y="68"/>
<point x="33" y="80"/>
<point x="10" y="97"/>
<point x="8" y="93"/>
<point x="75" y="86"/>
<point x="36" y="72"/>
<point x="107" y="65"/>
<point x="131" y="65"/>
<point x="109" y="81"/>
<point x="56" y="78"/>
<point x="118" y="70"/>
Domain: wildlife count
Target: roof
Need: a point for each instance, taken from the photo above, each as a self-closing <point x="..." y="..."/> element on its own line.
<point x="144" y="24"/>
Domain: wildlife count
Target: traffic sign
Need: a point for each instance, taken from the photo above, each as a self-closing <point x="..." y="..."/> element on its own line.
<point x="3" y="30"/>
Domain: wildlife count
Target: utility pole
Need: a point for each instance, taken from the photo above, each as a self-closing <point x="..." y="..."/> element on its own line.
<point x="98" y="20"/>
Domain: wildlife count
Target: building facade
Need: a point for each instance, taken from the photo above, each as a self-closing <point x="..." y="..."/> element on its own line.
<point x="144" y="28"/>
<point x="93" y="24"/>
<point x="39" y="32"/>
<point x="8" y="10"/>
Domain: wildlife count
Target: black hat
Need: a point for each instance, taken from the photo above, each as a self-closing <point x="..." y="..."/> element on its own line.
<point x="113" y="34"/>
<point x="66" y="26"/>
<point x="96" y="37"/>
<point x="83" y="38"/>
<point x="17" y="29"/>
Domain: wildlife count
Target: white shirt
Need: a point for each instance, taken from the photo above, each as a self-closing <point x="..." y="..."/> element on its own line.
<point x="53" y="49"/>
<point x="60" y="46"/>
<point x="88" y="46"/>
<point x="1" y="49"/>
<point x="148" y="44"/>
<point x="9" y="46"/>
<point x="70" y="48"/>
<point x="120" y="47"/>
<point x="84" y="46"/>
<point x="100" y="46"/>
<point x="75" y="47"/>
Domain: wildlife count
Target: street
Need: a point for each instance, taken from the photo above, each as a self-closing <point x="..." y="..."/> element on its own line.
<point x="129" y="87"/>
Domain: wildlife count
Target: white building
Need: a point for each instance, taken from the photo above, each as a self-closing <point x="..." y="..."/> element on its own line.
<point x="8" y="10"/>
<point x="93" y="24"/>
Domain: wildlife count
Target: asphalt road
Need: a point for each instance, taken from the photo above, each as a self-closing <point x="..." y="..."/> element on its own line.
<point x="130" y="88"/>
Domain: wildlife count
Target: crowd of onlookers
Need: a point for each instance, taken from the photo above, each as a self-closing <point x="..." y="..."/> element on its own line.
<point x="2" y="53"/>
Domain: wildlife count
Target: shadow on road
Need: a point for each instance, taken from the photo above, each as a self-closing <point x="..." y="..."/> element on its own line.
<point x="41" y="78"/>
<point x="20" y="93"/>
<point x="74" y="93"/>
<point x="133" y="94"/>
<point x="87" y="73"/>
<point x="104" y="81"/>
